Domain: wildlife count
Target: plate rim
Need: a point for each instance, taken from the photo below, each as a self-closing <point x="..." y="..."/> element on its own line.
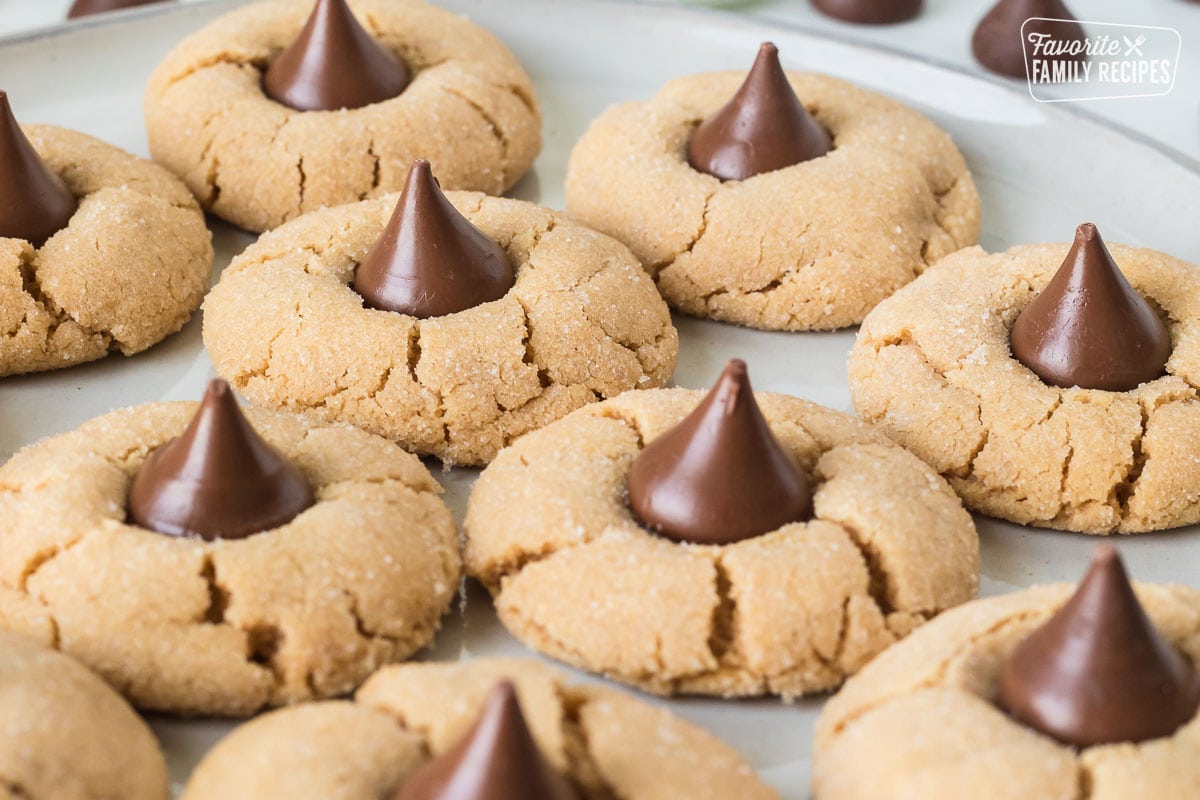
<point x="765" y="23"/>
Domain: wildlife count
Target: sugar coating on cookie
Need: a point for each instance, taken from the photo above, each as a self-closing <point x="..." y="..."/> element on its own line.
<point x="302" y="611"/>
<point x="581" y="323"/>
<point x="933" y="367"/>
<point x="814" y="246"/>
<point x="66" y="734"/>
<point x="551" y="535"/>
<point x="470" y="109"/>
<point x="608" y="743"/>
<point x="127" y="271"/>
<point x="919" y="721"/>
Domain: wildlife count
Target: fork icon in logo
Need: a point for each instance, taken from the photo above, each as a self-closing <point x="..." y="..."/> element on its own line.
<point x="1132" y="47"/>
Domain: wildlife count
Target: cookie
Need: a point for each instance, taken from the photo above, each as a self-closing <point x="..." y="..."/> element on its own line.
<point x="582" y="322"/>
<point x="551" y="534"/>
<point x="921" y="720"/>
<point x="60" y="726"/>
<point x="812" y="246"/>
<point x="934" y="368"/>
<point x="304" y="610"/>
<point x="125" y="272"/>
<point x="608" y="743"/>
<point x="470" y="109"/>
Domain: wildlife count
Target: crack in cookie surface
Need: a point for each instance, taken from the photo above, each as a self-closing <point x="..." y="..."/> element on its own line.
<point x="551" y="513"/>
<point x="1094" y="445"/>
<point x="127" y="270"/>
<point x="582" y="321"/>
<point x="463" y="76"/>
<point x="854" y="248"/>
<point x="937" y="688"/>
<point x="226" y="627"/>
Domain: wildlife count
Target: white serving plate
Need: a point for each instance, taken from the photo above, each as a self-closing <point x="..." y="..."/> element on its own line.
<point x="1040" y="170"/>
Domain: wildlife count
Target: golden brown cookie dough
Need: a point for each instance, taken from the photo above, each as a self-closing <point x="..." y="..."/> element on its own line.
<point x="127" y="272"/>
<point x="575" y="576"/>
<point x="65" y="735"/>
<point x="582" y="322"/>
<point x="813" y="246"/>
<point x="919" y="722"/>
<point x="932" y="366"/>
<point x="610" y="744"/>
<point x="302" y="611"/>
<point x="470" y="110"/>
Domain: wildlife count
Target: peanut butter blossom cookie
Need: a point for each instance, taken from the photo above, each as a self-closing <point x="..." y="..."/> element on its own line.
<point x="777" y="200"/>
<point x="482" y="730"/>
<point x="1038" y="695"/>
<point x="64" y="734"/>
<point x="100" y="251"/>
<point x="451" y="323"/>
<point x="722" y="543"/>
<point x="1048" y="391"/>
<point x="209" y="562"/>
<point x="282" y="107"/>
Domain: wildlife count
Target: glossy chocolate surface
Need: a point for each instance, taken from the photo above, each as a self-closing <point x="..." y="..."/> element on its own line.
<point x="497" y="760"/>
<point x="1089" y="327"/>
<point x="34" y="202"/>
<point x="870" y="12"/>
<point x="720" y="475"/>
<point x="430" y="260"/>
<point x="763" y="128"/>
<point x="334" y="63"/>
<point x="218" y="480"/>
<point x="997" y="43"/>
<point x="1099" y="672"/>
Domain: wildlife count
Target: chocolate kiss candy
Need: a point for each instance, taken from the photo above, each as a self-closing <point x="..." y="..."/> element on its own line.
<point x="1089" y="327"/>
<point x="85" y="8"/>
<point x="720" y="475"/>
<point x="334" y="63"/>
<point x="497" y="760"/>
<point x="218" y="480"/>
<point x="763" y="128"/>
<point x="870" y="12"/>
<point x="997" y="41"/>
<point x="1098" y="672"/>
<point x="429" y="260"/>
<point x="34" y="202"/>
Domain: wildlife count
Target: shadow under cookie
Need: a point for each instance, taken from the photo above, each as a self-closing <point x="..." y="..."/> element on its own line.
<point x="605" y="742"/>
<point x="792" y="611"/>
<point x="301" y="610"/>
<point x="581" y="322"/>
